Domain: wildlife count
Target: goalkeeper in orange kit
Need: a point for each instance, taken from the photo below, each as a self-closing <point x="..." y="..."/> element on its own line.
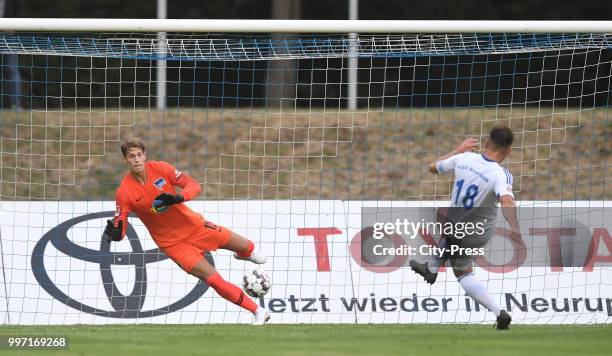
<point x="184" y="236"/>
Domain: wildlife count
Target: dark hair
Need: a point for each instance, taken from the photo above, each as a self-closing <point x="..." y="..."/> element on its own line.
<point x="132" y="142"/>
<point x="501" y="136"/>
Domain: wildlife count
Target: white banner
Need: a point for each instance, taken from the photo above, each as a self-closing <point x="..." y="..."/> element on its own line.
<point x="57" y="270"/>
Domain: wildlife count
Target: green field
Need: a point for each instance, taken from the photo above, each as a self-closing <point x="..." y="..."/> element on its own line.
<point x="343" y="339"/>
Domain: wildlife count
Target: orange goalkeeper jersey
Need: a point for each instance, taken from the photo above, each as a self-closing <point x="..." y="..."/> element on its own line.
<point x="178" y="222"/>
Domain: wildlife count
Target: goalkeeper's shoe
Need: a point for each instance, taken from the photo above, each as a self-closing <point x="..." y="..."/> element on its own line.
<point x="262" y="315"/>
<point x="254" y="257"/>
<point x="423" y="270"/>
<point x="503" y="320"/>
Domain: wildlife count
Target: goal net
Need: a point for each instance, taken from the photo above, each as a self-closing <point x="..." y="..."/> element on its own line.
<point x="264" y="123"/>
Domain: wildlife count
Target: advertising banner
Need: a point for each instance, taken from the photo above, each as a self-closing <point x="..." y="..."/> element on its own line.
<point x="330" y="262"/>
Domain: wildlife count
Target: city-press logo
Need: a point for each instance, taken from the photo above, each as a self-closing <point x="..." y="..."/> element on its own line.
<point x="125" y="306"/>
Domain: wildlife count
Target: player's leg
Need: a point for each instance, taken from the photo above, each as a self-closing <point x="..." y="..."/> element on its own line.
<point x="215" y="236"/>
<point x="477" y="291"/>
<point x="190" y="258"/>
<point x="232" y="293"/>
<point x="429" y="270"/>
<point x="462" y="267"/>
<point x="438" y="261"/>
<point x="206" y="272"/>
<point x="243" y="248"/>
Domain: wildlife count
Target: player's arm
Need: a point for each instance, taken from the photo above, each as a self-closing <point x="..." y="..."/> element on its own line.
<point x="439" y="165"/>
<point x="190" y="187"/>
<point x="116" y="228"/>
<point x="503" y="189"/>
<point x="509" y="210"/>
<point x="508" y="207"/>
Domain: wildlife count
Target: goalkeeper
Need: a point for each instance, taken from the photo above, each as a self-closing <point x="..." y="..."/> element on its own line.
<point x="184" y="236"/>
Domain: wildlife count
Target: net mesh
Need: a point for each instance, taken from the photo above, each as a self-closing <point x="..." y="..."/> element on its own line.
<point x="260" y="122"/>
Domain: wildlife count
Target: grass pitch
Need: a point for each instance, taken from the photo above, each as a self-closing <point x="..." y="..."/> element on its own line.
<point x="273" y="339"/>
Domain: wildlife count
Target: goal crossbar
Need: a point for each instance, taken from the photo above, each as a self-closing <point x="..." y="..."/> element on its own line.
<point x="297" y="26"/>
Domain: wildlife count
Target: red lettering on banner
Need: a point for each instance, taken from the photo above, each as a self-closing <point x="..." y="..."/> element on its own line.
<point x="320" y="238"/>
<point x="598" y="235"/>
<point x="520" y="250"/>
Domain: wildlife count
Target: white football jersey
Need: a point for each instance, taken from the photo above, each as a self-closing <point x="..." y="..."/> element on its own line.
<point x="479" y="182"/>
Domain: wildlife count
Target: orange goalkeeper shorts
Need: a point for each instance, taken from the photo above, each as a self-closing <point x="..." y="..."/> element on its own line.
<point x="190" y="251"/>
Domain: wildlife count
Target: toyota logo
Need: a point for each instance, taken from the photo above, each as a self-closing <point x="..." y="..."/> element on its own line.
<point x="125" y="306"/>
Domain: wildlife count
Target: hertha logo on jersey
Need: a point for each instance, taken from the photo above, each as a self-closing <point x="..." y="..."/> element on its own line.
<point x="160" y="183"/>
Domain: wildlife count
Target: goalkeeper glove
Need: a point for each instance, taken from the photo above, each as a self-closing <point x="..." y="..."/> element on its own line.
<point x="113" y="233"/>
<point x="164" y="200"/>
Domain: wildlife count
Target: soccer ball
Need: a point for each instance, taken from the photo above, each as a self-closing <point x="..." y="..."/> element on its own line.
<point x="256" y="283"/>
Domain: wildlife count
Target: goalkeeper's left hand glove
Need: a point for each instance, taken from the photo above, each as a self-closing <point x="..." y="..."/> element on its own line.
<point x="165" y="199"/>
<point x="113" y="233"/>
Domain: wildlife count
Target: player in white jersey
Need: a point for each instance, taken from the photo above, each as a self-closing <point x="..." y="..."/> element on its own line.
<point x="480" y="185"/>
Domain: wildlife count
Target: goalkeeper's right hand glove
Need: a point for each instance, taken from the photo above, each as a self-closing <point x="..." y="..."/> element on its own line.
<point x="113" y="233"/>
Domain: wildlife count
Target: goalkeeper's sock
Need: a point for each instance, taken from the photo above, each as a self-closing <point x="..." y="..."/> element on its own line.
<point x="231" y="292"/>
<point x="250" y="255"/>
<point x="478" y="292"/>
<point x="434" y="265"/>
<point x="248" y="252"/>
